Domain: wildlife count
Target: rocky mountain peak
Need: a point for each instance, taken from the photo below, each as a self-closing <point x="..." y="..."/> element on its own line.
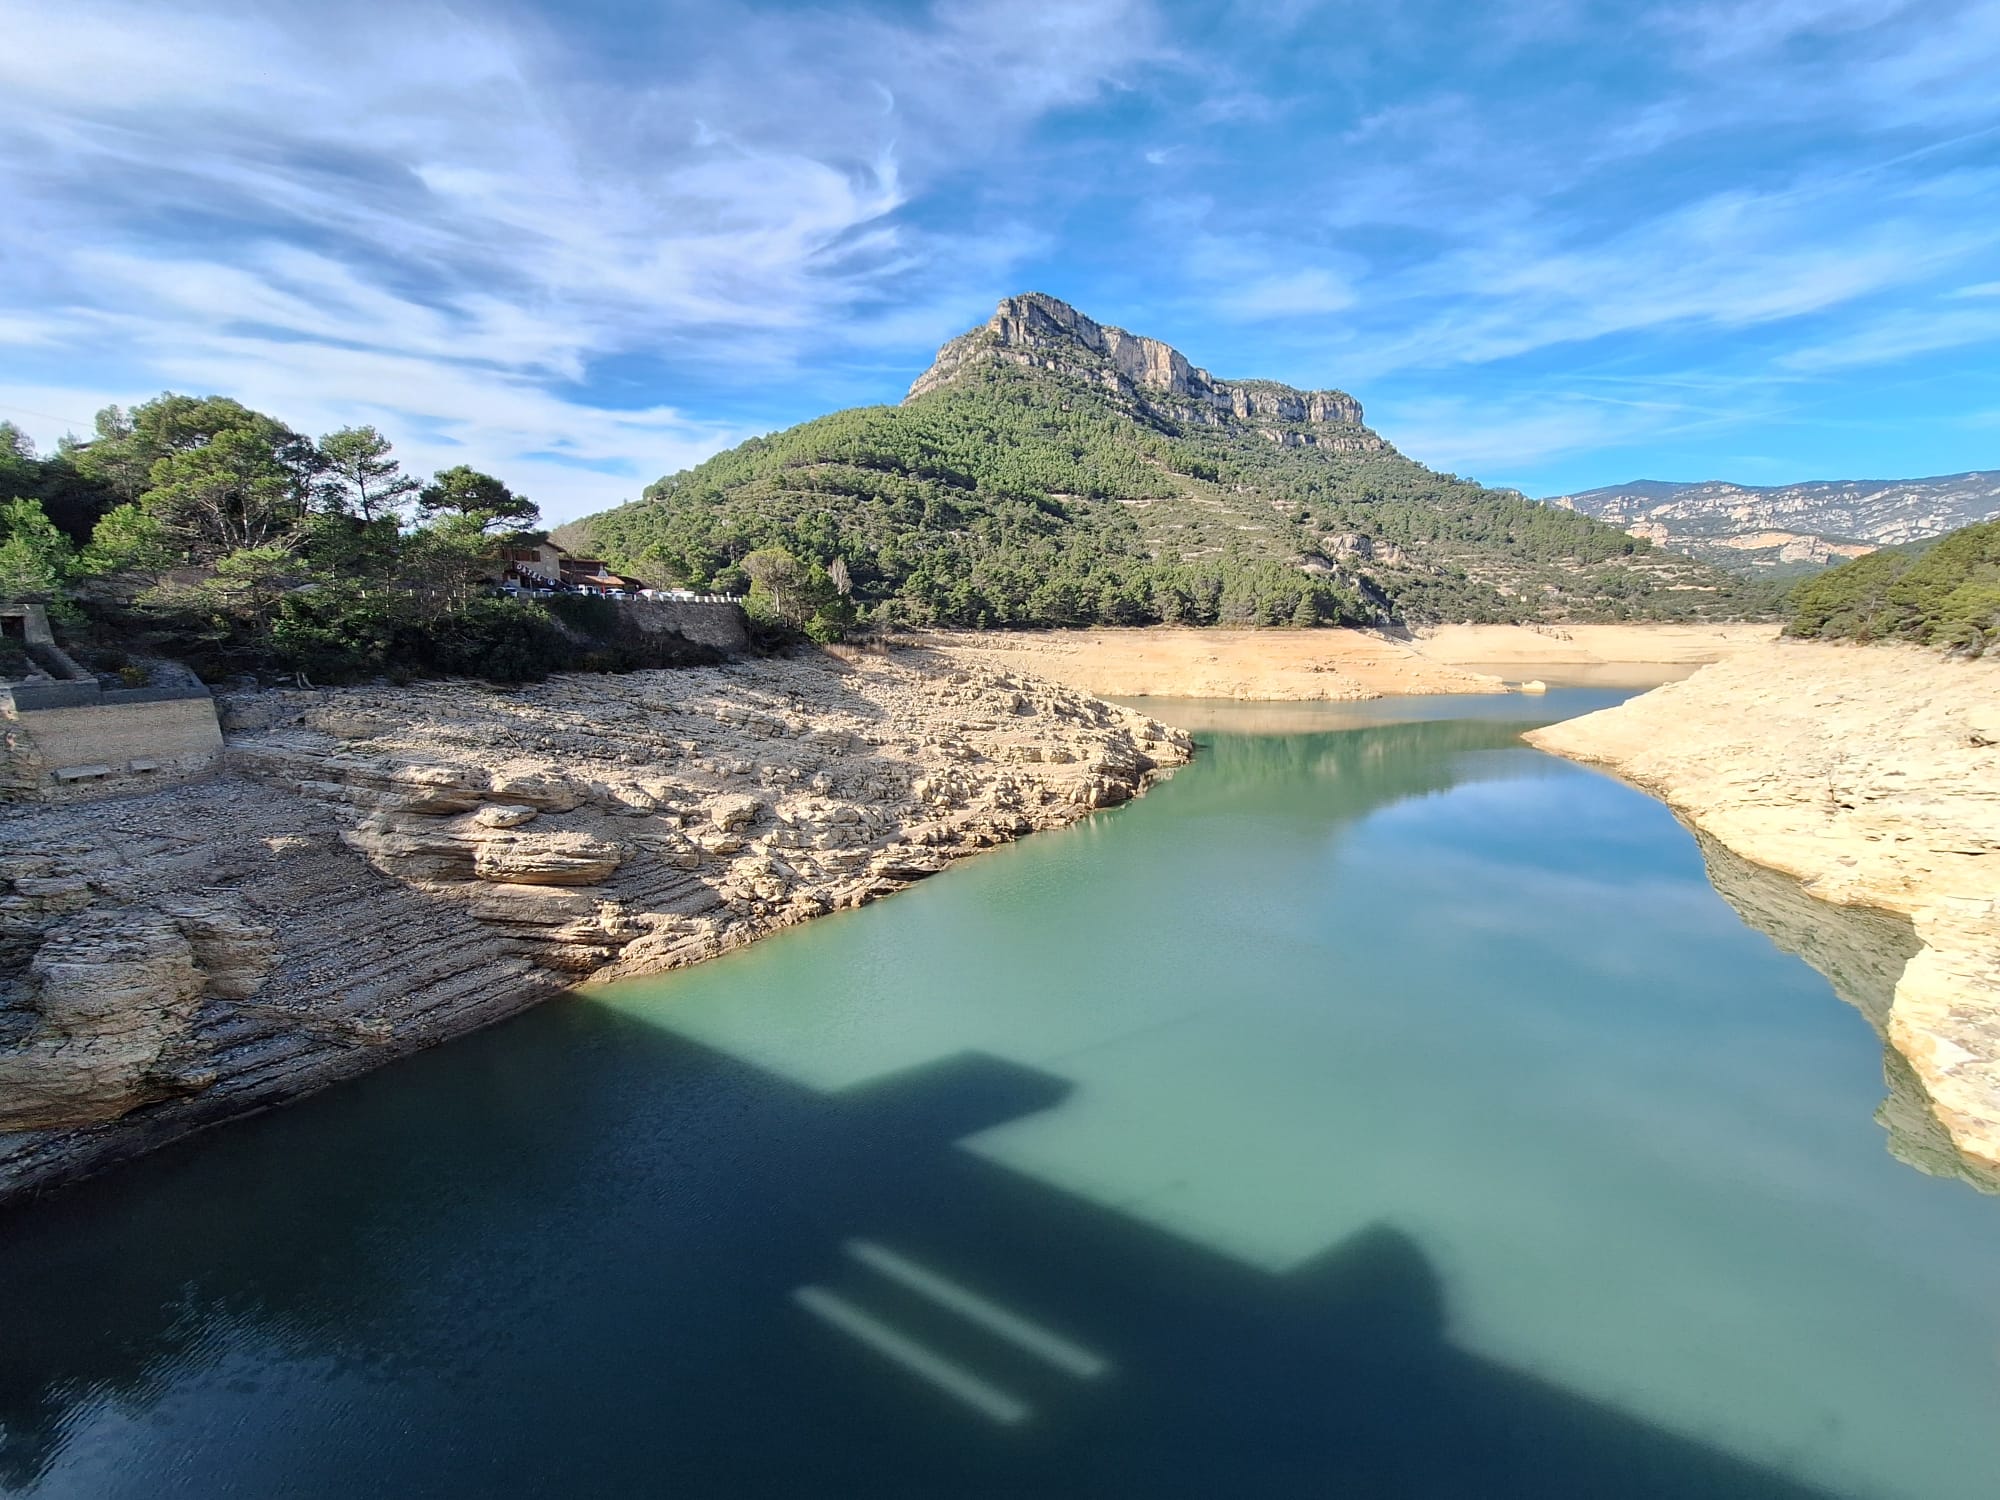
<point x="1042" y="332"/>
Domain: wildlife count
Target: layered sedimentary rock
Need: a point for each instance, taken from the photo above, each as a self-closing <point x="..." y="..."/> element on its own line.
<point x="1037" y="331"/>
<point x="381" y="869"/>
<point x="1872" y="775"/>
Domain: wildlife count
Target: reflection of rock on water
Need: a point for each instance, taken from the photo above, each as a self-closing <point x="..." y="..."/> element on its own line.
<point x="1862" y="952"/>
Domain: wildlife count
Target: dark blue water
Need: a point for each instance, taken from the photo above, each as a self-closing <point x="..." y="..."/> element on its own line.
<point x="1386" y="1109"/>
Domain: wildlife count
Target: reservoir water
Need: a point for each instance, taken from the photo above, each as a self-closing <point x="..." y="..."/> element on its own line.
<point x="1377" y="1108"/>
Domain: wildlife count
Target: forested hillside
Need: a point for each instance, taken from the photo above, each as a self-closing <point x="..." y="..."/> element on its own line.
<point x="1941" y="593"/>
<point x="1051" y="472"/>
<point x="197" y="529"/>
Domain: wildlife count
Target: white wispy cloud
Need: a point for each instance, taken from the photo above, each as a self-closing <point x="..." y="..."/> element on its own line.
<point x="1731" y="29"/>
<point x="1494" y="435"/>
<point x="1877" y="65"/>
<point x="1309" y="291"/>
<point x="1899" y="335"/>
<point x="1505" y="249"/>
<point x="582" y="254"/>
<point x="1728" y="261"/>
<point x="447" y="222"/>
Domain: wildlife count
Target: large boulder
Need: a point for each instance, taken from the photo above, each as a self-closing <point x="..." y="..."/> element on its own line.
<point x="546" y="859"/>
<point x="111" y="987"/>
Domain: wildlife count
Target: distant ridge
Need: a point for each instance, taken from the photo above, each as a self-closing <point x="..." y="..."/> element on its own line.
<point x="1781" y="528"/>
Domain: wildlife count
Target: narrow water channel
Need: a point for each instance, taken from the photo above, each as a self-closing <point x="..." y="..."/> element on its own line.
<point x="1378" y="1108"/>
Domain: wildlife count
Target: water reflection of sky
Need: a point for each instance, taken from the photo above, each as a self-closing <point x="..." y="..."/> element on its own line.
<point x="1409" y="973"/>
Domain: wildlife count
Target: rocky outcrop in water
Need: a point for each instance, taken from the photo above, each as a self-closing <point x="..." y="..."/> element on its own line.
<point x="382" y="869"/>
<point x="1039" y="332"/>
<point x="1872" y="775"/>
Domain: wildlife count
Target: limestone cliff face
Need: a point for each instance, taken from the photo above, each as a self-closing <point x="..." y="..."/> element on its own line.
<point x="1039" y="332"/>
<point x="382" y="869"/>
<point x="1752" y="527"/>
<point x="1872" y="775"/>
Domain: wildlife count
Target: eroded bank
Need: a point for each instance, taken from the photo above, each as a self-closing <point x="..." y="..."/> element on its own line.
<point x="1872" y="775"/>
<point x="378" y="870"/>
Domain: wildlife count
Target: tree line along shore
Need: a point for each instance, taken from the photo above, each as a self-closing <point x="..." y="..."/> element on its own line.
<point x="197" y="529"/>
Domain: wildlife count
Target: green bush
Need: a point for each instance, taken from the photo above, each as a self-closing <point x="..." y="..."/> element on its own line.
<point x="1944" y="593"/>
<point x="591" y="614"/>
<point x="334" y="632"/>
<point x="503" y="640"/>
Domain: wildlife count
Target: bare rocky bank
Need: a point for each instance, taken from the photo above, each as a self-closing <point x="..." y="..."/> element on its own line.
<point x="1872" y="775"/>
<point x="1345" y="665"/>
<point x="378" y="870"/>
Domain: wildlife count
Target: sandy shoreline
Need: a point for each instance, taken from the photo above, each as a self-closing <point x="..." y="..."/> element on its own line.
<point x="1293" y="666"/>
<point x="1591" y="645"/>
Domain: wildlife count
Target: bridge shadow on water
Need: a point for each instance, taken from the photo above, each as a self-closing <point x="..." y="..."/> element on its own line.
<point x="566" y="1257"/>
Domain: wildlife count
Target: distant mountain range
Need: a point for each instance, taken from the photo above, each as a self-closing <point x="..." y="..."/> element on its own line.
<point x="1052" y="470"/>
<point x="1790" y="528"/>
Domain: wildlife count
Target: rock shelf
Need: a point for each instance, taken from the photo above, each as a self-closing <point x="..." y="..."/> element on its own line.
<point x="380" y="869"/>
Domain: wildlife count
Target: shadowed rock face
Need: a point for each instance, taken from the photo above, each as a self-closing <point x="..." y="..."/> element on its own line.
<point x="1041" y="332"/>
<point x="1863" y="953"/>
<point x="384" y="869"/>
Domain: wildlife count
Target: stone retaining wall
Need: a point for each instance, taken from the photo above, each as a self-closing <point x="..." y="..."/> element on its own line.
<point x="723" y="626"/>
<point x="110" y="744"/>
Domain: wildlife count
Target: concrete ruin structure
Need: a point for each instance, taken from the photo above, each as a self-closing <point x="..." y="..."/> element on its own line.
<point x="65" y="736"/>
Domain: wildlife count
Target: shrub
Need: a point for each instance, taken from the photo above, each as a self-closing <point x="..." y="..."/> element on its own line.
<point x="334" y="632"/>
<point x="1945" y="593"/>
<point x="504" y="640"/>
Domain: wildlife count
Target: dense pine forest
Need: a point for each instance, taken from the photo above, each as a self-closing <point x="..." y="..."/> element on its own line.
<point x="1022" y="497"/>
<point x="1940" y="593"/>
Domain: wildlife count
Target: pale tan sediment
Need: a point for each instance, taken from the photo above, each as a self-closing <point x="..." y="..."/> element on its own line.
<point x="1344" y="665"/>
<point x="1641" y="643"/>
<point x="1871" y="774"/>
<point x="1177" y="662"/>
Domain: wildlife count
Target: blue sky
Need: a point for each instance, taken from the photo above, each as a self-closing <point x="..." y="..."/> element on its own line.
<point x="1548" y="243"/>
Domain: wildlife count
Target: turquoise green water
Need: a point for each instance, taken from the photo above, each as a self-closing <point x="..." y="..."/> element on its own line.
<point x="1383" y="1109"/>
